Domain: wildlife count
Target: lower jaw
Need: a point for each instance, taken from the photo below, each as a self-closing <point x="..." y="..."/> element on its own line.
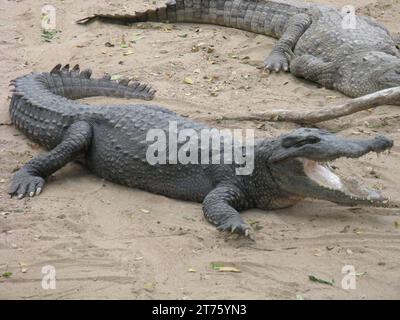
<point x="327" y="179"/>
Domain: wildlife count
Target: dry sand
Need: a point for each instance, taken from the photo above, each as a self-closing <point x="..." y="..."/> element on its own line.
<point x="109" y="241"/>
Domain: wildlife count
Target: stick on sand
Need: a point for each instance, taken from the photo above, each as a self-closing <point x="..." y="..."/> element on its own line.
<point x="386" y="96"/>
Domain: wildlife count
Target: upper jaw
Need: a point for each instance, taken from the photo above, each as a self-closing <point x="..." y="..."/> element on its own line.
<point x="334" y="148"/>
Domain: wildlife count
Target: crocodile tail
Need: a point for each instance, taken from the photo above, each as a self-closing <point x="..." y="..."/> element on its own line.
<point x="168" y="12"/>
<point x="76" y="84"/>
<point x="259" y="16"/>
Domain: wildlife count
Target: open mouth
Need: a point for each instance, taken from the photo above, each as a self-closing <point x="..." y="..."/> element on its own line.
<point x="347" y="190"/>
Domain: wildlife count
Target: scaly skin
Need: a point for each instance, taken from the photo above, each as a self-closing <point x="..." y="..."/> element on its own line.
<point x="111" y="142"/>
<point x="312" y="42"/>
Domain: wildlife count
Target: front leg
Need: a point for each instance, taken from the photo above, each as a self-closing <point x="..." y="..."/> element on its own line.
<point x="221" y="207"/>
<point x="29" y="180"/>
<point x="282" y="52"/>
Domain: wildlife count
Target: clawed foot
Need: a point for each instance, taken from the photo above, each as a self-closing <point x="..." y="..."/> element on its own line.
<point x="237" y="226"/>
<point x="276" y="62"/>
<point x="25" y="184"/>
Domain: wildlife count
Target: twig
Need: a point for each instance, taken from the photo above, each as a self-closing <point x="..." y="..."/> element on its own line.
<point x="386" y="96"/>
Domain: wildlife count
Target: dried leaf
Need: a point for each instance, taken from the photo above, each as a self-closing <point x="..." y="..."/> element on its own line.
<point x="188" y="81"/>
<point x="149" y="286"/>
<point x="315" y="279"/>
<point x="134" y="40"/>
<point x="127" y="53"/>
<point x="116" y="77"/>
<point x="221" y="268"/>
<point x="192" y="270"/>
<point x="216" y="265"/>
<point x="123" y="42"/>
<point x="228" y="269"/>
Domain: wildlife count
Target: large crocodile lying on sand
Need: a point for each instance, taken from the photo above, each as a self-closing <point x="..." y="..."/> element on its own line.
<point x="316" y="42"/>
<point x="112" y="142"/>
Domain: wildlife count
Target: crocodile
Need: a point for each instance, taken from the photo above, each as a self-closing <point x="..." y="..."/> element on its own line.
<point x="317" y="42"/>
<point x="113" y="143"/>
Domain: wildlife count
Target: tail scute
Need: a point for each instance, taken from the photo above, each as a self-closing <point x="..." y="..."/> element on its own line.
<point x="77" y="84"/>
<point x="160" y="14"/>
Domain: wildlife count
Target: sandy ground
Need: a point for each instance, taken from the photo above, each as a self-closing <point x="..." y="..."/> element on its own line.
<point x="109" y="241"/>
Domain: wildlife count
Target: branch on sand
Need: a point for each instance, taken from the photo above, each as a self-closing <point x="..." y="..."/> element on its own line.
<point x="383" y="97"/>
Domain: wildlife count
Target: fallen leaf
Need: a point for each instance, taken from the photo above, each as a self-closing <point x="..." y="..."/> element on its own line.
<point x="115" y="77"/>
<point x="49" y="35"/>
<point x="127" y="53"/>
<point x="221" y="268"/>
<point x="123" y="42"/>
<point x="210" y="49"/>
<point x="345" y="229"/>
<point x="360" y="274"/>
<point x="397" y="224"/>
<point x="192" y="270"/>
<point x="188" y="81"/>
<point x="216" y="265"/>
<point x="145" y="210"/>
<point x="134" y="40"/>
<point x="315" y="279"/>
<point x="149" y="286"/>
<point x="228" y="269"/>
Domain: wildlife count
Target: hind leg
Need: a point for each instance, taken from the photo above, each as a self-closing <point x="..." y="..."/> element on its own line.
<point x="313" y="69"/>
